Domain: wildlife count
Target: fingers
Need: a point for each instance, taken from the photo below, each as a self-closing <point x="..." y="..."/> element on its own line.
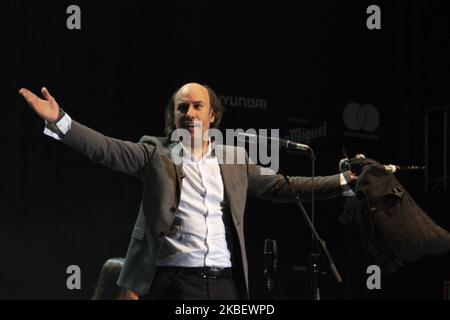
<point x="29" y="96"/>
<point x="23" y="91"/>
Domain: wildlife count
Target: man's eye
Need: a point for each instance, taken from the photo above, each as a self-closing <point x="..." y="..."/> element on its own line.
<point x="182" y="107"/>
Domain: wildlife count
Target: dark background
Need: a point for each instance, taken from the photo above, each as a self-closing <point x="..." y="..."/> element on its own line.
<point x="116" y="75"/>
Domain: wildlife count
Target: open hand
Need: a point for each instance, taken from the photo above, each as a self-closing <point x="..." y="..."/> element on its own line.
<point x="47" y="108"/>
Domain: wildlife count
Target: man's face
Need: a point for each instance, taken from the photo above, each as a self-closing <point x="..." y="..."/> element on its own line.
<point x="193" y="109"/>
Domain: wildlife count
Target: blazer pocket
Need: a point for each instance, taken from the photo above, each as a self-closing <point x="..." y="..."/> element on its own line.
<point x="138" y="233"/>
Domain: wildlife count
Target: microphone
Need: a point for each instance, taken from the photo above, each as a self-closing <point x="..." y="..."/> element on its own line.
<point x="344" y="165"/>
<point x="270" y="262"/>
<point x="287" y="144"/>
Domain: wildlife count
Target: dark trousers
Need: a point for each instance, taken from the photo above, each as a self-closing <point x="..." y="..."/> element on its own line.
<point x="191" y="284"/>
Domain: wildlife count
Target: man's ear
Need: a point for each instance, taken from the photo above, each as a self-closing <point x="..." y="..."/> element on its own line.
<point x="212" y="116"/>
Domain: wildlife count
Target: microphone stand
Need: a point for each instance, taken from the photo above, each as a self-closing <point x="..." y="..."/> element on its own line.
<point x="316" y="241"/>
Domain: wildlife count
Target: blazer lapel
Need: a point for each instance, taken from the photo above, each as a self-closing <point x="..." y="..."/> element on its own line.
<point x="228" y="172"/>
<point x="178" y="167"/>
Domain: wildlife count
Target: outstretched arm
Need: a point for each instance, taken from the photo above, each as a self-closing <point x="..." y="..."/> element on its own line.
<point x="274" y="187"/>
<point x="124" y="156"/>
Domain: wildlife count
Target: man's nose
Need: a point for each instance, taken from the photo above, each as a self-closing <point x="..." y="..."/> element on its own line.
<point x="191" y="111"/>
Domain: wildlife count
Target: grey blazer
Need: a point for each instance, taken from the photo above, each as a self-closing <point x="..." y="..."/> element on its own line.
<point x="150" y="160"/>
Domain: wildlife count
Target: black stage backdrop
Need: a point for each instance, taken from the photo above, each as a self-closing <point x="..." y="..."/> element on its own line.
<point x="313" y="70"/>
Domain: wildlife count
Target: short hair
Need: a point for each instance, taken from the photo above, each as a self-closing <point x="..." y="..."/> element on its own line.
<point x="107" y="288"/>
<point x="216" y="107"/>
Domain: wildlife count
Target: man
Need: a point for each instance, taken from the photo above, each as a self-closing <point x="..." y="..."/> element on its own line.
<point x="188" y="240"/>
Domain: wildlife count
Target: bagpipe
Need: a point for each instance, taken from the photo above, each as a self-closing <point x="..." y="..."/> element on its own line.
<point x="392" y="227"/>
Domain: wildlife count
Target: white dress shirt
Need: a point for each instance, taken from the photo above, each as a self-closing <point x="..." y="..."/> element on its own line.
<point x="198" y="232"/>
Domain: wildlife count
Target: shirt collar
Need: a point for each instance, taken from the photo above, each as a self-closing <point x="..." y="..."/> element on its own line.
<point x="210" y="152"/>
